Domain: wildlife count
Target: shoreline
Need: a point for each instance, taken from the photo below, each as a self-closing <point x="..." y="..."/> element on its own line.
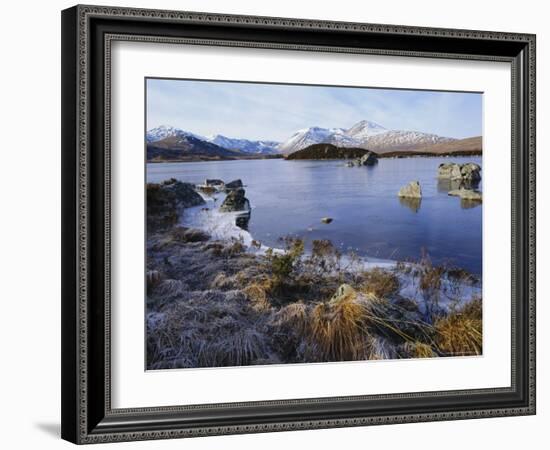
<point x="237" y="308"/>
<point x="388" y="155"/>
<point x="228" y="233"/>
<point x="218" y="298"/>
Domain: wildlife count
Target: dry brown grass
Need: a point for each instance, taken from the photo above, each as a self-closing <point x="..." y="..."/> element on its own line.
<point x="338" y="329"/>
<point x="430" y="278"/>
<point x="460" y="332"/>
<point x="257" y="294"/>
<point x="418" y="350"/>
<point x="294" y="316"/>
<point x="380" y="283"/>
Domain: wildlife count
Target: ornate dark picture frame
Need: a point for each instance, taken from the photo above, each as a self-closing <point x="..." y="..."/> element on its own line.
<point x="87" y="34"/>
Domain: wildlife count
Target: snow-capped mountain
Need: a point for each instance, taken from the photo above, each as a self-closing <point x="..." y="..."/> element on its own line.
<point x="317" y="135"/>
<point x="245" y="145"/>
<point x="365" y="129"/>
<point x="400" y="140"/>
<point x="364" y="134"/>
<point x="163" y="132"/>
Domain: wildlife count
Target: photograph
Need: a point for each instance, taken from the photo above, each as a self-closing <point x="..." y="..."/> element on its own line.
<point x="295" y="223"/>
<point x="300" y="221"/>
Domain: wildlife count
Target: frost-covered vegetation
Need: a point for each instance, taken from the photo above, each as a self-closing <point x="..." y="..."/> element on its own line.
<point x="213" y="303"/>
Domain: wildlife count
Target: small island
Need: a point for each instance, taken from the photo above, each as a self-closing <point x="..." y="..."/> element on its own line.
<point x="327" y="151"/>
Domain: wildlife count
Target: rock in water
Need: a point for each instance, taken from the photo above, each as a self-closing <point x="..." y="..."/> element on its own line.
<point x="468" y="173"/>
<point x="471" y="172"/>
<point x="326" y="220"/>
<point x="166" y="201"/>
<point x="369" y="159"/>
<point x="467" y="194"/>
<point x="411" y="190"/>
<point x="449" y="171"/>
<point x="235" y="201"/>
<point x="235" y="184"/>
<point x="184" y="193"/>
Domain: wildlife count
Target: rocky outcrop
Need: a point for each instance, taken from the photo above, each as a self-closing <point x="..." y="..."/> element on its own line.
<point x="184" y="193"/>
<point x="469" y="173"/>
<point x="411" y="190"/>
<point x="235" y="184"/>
<point x="235" y="201"/>
<point x="166" y="201"/>
<point x="467" y="194"/>
<point x="368" y="159"/>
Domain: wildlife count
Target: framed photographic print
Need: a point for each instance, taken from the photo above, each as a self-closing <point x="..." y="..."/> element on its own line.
<point x="280" y="224"/>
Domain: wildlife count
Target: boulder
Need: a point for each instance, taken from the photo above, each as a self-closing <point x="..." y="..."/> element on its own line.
<point x="411" y="190"/>
<point x="166" y="201"/>
<point x="369" y="159"/>
<point x="467" y="194"/>
<point x="185" y="194"/>
<point x="468" y="173"/>
<point x="345" y="290"/>
<point x="235" y="184"/>
<point x="449" y="171"/>
<point x="235" y="201"/>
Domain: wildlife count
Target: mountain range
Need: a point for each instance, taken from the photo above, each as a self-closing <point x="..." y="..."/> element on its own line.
<point x="166" y="141"/>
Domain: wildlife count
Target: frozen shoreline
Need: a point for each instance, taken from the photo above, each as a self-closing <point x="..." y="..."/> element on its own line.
<point x="221" y="227"/>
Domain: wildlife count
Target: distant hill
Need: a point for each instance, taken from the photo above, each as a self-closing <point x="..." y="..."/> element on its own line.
<point x="187" y="148"/>
<point x="472" y="145"/>
<point x="166" y="143"/>
<point x="463" y="147"/>
<point x="245" y="146"/>
<point x="327" y="151"/>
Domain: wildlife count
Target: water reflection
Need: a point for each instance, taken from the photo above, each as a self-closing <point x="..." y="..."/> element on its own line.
<point x="469" y="204"/>
<point x="412" y="203"/>
<point x="444" y="186"/>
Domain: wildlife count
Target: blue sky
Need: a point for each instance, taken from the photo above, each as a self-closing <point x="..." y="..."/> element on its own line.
<point x="275" y="112"/>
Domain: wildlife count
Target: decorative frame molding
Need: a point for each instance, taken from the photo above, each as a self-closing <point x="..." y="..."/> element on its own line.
<point x="88" y="31"/>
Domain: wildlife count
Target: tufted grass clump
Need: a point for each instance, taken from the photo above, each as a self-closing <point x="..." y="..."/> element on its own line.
<point x="379" y="282"/>
<point x="460" y="332"/>
<point x="338" y="330"/>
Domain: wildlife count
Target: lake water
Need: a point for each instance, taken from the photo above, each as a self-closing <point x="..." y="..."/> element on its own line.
<point x="291" y="197"/>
